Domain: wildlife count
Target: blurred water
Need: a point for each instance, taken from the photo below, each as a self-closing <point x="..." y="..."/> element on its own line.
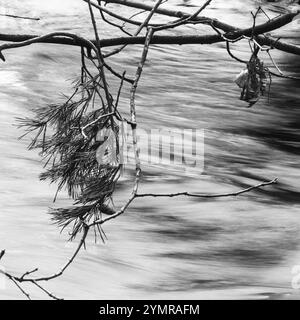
<point x="242" y="247"/>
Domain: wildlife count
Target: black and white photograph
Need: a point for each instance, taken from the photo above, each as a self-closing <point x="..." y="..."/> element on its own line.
<point x="149" y="151"/>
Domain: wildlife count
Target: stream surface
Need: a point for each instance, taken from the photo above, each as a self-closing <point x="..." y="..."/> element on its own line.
<point x="239" y="247"/>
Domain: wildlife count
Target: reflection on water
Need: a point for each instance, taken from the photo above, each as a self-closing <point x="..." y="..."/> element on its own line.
<point x="181" y="248"/>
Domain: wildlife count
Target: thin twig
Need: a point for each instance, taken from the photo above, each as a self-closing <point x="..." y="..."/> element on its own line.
<point x="183" y="21"/>
<point x="143" y="25"/>
<point x="19" y="287"/>
<point x="18" y="17"/>
<point x="2" y="253"/>
<point x="51" y="295"/>
<point x="199" y="195"/>
<point x="281" y="74"/>
<point x="232" y="55"/>
<point x="27" y="273"/>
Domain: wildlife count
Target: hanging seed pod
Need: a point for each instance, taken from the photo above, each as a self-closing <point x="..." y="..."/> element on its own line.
<point x="253" y="80"/>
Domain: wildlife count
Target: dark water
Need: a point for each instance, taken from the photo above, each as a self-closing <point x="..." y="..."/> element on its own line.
<point x="242" y="247"/>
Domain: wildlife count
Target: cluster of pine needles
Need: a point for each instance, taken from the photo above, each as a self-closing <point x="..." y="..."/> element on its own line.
<point x="70" y="156"/>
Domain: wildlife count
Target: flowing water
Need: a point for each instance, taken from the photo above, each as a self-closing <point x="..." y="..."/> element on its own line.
<point x="241" y="247"/>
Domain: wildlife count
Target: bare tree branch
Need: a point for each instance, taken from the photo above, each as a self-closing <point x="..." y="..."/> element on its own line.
<point x="232" y="33"/>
